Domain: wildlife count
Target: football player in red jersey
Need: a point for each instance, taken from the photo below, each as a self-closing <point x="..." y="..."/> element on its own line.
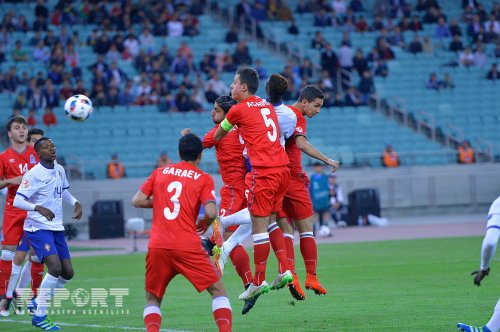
<point x="14" y="163"/>
<point x="297" y="203"/>
<point x="176" y="192"/>
<point x="268" y="180"/>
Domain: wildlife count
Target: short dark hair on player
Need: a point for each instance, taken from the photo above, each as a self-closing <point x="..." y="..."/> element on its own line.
<point x="276" y="88"/>
<point x="190" y="147"/>
<point x="38" y="143"/>
<point x="226" y="102"/>
<point x="16" y="119"/>
<point x="34" y="131"/>
<point x="311" y="92"/>
<point x="249" y="77"/>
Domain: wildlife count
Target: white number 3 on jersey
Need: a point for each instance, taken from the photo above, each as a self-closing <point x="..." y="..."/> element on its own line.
<point x="273" y="134"/>
<point x="176" y="187"/>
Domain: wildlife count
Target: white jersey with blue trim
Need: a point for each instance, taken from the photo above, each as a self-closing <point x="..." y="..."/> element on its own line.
<point x="44" y="187"/>
<point x="495" y="207"/>
<point x="287" y="120"/>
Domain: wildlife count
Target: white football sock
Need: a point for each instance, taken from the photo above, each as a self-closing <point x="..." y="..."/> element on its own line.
<point x="240" y="235"/>
<point x="14" y="275"/>
<point x="239" y="218"/>
<point x="494" y="323"/>
<point x="49" y="282"/>
<point x="24" y="279"/>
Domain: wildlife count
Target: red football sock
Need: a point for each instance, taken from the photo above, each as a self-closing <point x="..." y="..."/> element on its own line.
<point x="309" y="251"/>
<point x="223" y="316"/>
<point x="5" y="270"/>
<point x="36" y="276"/>
<point x="290" y="252"/>
<point x="241" y="262"/>
<point x="152" y="319"/>
<point x="278" y="243"/>
<point x="261" y="250"/>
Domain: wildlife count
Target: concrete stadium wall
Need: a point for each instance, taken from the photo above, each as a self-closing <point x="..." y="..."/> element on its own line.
<point x="403" y="191"/>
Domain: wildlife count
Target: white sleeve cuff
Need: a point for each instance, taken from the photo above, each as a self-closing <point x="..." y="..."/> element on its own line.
<point x="68" y="198"/>
<point x="20" y="202"/>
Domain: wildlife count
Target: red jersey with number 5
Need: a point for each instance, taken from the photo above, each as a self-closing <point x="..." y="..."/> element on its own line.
<point x="178" y="191"/>
<point x="258" y="126"/>
<point x="13" y="164"/>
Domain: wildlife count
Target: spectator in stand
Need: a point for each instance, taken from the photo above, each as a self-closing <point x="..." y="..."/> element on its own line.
<point x="232" y="35"/>
<point x="175" y="27"/>
<point x="390" y="157"/>
<point x="20" y="102"/>
<point x="115" y="74"/>
<point x="66" y="91"/>
<point x="80" y="89"/>
<point x="113" y="98"/>
<point x="322" y="19"/>
<point x="339" y="6"/>
<point x="37" y="101"/>
<point x="493" y="24"/>
<point x="50" y="39"/>
<point x="474" y="26"/>
<point x="361" y="24"/>
<point x="306" y="69"/>
<point x="466" y="58"/>
<point x="448" y="82"/>
<point x="131" y="46"/>
<point x="434" y="83"/>
<point x="127" y="97"/>
<point x="415" y="24"/>
<point x="491" y="36"/>
<point x="465" y="153"/>
<point x="397" y="38"/>
<point x="493" y="73"/>
<point x="163" y="160"/>
<point x="427" y="46"/>
<point x="380" y="68"/>
<point x="454" y="27"/>
<point x="318" y="41"/>
<point x="49" y="118"/>
<point x="51" y="95"/>
<point x="303" y="7"/>
<point x="40" y="24"/>
<point x="404" y="24"/>
<point x="260" y="70"/>
<point x="218" y="85"/>
<point x="241" y="55"/>
<point x="293" y="29"/>
<point x="147" y="41"/>
<point x="352" y="97"/>
<point x="41" y="53"/>
<point x="415" y="46"/>
<point x="366" y="87"/>
<point x="329" y="60"/>
<point x="456" y="44"/>
<point x="378" y="24"/>
<point x="31" y="120"/>
<point x="442" y="30"/>
<point x="115" y="169"/>
<point x="19" y="54"/>
<point x="210" y="94"/>
<point x="359" y="62"/>
<point x="190" y="25"/>
<point x="356" y="6"/>
<point x="480" y="58"/>
<point x="41" y="9"/>
<point x="384" y="50"/>
<point x="243" y="8"/>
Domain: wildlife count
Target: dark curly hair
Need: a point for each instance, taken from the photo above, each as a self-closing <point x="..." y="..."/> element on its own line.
<point x="276" y="88"/>
<point x="226" y="102"/>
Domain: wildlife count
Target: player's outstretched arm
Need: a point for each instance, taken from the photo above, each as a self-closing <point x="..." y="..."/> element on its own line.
<point x="487" y="252"/>
<point x="141" y="200"/>
<point x="304" y="145"/>
<point x="7" y="182"/>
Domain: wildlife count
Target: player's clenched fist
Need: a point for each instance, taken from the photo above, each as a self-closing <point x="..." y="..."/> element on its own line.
<point x="47" y="213"/>
<point x="334" y="164"/>
<point x="479" y="275"/>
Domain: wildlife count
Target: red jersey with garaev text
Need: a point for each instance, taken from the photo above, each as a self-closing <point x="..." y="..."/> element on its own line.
<point x="258" y="126"/>
<point x="178" y="191"/>
<point x="293" y="152"/>
<point x="229" y="153"/>
<point x="13" y="164"/>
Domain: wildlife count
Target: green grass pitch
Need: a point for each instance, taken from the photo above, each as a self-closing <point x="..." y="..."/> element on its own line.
<point x="417" y="285"/>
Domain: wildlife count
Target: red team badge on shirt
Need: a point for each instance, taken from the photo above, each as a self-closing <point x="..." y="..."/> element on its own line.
<point x="26" y="184"/>
<point x="299" y="129"/>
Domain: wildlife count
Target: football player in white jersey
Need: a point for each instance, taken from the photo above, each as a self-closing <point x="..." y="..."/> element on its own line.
<point x="487" y="252"/>
<point x="41" y="193"/>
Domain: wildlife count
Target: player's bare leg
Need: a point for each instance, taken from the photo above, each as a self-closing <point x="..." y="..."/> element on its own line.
<point x="221" y="307"/>
<point x="232" y="242"/>
<point x="309" y="253"/>
<point x="294" y="286"/>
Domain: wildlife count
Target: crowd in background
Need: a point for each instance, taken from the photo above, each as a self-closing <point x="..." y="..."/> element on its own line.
<point x="173" y="80"/>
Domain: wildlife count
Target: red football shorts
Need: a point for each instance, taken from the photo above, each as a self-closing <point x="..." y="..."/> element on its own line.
<point x="266" y="189"/>
<point x="232" y="200"/>
<point x="162" y="265"/>
<point x="12" y="227"/>
<point x="297" y="202"/>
